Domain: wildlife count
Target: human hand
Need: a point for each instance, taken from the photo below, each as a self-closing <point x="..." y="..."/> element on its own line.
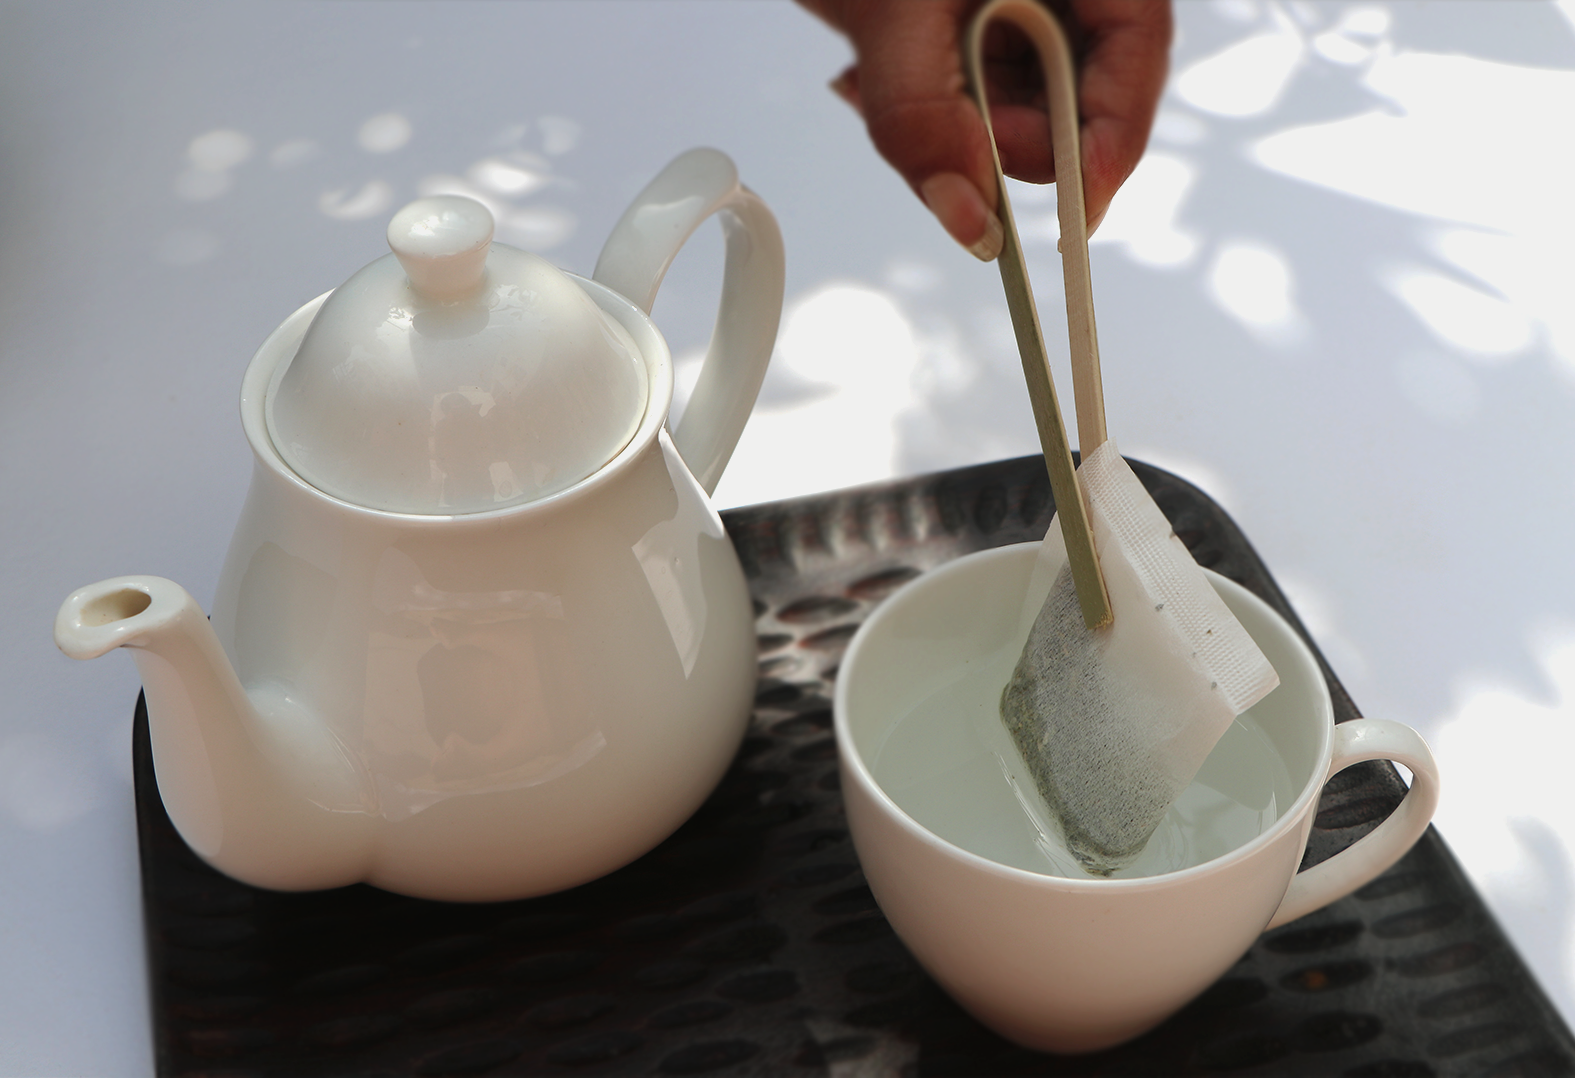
<point x="909" y="85"/>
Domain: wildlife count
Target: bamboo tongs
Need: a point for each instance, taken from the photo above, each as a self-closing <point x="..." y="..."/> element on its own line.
<point x="1061" y="97"/>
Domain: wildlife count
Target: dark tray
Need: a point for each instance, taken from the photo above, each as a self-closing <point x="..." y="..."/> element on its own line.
<point x="747" y="943"/>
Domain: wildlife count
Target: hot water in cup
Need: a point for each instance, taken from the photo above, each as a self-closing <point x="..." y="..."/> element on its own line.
<point x="948" y="764"/>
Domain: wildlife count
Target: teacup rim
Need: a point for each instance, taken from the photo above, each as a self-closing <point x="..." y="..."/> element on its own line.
<point x="850" y="760"/>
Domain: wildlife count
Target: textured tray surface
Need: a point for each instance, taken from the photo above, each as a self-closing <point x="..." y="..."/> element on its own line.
<point x="747" y="943"/>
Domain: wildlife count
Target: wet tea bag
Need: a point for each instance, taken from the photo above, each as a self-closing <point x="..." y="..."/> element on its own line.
<point x="1113" y="723"/>
<point x="1132" y="667"/>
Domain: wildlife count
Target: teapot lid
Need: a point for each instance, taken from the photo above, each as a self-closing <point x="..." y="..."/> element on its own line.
<point x="455" y="375"/>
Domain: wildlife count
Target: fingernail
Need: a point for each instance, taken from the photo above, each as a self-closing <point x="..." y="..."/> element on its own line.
<point x="1098" y="217"/>
<point x="1088" y="233"/>
<point x="962" y="211"/>
<point x="846" y="86"/>
<point x="990" y="243"/>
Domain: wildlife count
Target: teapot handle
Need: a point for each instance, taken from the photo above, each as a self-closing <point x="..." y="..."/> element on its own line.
<point x="635" y="259"/>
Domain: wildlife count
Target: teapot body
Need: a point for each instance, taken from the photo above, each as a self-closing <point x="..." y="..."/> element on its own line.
<point x="473" y="640"/>
<point x="531" y="696"/>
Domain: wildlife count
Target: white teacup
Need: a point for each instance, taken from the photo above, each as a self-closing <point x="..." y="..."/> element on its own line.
<point x="1074" y="965"/>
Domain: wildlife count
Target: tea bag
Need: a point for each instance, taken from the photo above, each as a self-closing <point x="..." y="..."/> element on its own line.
<point x="1113" y="723"/>
<point x="1133" y="668"/>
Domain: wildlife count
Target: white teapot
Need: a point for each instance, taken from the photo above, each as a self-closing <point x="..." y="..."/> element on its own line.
<point x="480" y="634"/>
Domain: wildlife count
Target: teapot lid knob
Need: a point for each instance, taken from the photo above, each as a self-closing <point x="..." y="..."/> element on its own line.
<point x="442" y="243"/>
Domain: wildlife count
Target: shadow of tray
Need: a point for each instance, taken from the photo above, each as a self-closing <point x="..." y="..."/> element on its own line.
<point x="748" y="944"/>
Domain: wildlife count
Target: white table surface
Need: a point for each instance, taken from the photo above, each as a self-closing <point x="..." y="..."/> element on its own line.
<point x="1337" y="295"/>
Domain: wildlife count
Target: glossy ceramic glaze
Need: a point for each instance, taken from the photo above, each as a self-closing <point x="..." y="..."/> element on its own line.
<point x="1076" y="965"/>
<point x="455" y="375"/>
<point x="479" y="706"/>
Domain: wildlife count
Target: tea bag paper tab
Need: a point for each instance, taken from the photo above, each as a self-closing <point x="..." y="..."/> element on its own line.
<point x="1113" y="724"/>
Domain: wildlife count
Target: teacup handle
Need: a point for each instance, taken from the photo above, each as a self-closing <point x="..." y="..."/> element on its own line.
<point x="1362" y="861"/>
<point x="635" y="259"/>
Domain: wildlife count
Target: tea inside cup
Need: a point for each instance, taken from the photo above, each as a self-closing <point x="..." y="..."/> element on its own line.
<point x="1052" y="962"/>
<point x="935" y="746"/>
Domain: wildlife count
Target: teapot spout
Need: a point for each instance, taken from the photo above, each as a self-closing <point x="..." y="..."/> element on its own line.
<point x="265" y="794"/>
